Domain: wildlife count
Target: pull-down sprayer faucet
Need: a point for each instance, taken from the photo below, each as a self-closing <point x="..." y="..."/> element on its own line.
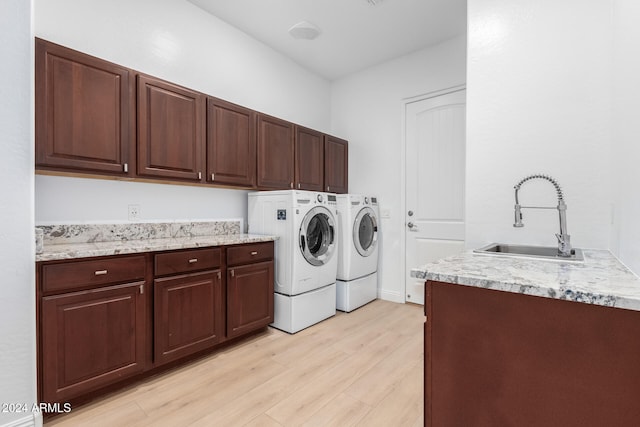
<point x="564" y="240"/>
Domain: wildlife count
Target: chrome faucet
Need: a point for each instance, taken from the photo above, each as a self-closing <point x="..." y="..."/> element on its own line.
<point x="564" y="240"/>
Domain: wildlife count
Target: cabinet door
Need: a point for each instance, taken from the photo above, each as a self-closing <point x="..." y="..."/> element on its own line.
<point x="231" y="144"/>
<point x="275" y="153"/>
<point x="309" y="159"/>
<point x="249" y="297"/>
<point x="336" y="164"/>
<point x="82" y="112"/>
<point x="170" y="130"/>
<point x="91" y="339"/>
<point x="188" y="314"/>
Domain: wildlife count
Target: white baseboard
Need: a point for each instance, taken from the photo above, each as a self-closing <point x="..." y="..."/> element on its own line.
<point x="393" y="296"/>
<point x="31" y="420"/>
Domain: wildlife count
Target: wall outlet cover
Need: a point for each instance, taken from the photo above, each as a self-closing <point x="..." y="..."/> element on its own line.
<point x="134" y="212"/>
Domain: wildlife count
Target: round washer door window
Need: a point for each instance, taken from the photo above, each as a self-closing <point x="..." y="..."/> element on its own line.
<point x="365" y="231"/>
<point x="317" y="236"/>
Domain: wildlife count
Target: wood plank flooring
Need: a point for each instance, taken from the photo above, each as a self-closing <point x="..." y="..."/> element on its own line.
<point x="363" y="368"/>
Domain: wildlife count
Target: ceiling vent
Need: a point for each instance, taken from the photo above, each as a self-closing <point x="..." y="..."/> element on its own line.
<point x="374" y="2"/>
<point x="304" y="30"/>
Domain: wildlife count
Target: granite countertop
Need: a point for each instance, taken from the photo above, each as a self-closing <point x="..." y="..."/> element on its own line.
<point x="83" y="250"/>
<point x="91" y="240"/>
<point x="601" y="279"/>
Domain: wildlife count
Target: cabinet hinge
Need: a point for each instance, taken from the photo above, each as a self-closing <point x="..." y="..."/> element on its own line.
<point x="126" y="167"/>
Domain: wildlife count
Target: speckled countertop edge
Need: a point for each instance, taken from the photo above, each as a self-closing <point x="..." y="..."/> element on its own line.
<point x="601" y="279"/>
<point x="64" y="251"/>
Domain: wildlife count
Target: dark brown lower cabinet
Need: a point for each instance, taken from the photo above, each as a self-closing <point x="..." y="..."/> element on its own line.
<point x="249" y="297"/>
<point x="188" y="312"/>
<point x="100" y="321"/>
<point x="495" y="358"/>
<point x="91" y="339"/>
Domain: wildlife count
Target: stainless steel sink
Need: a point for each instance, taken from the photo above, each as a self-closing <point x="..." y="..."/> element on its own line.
<point x="539" y="252"/>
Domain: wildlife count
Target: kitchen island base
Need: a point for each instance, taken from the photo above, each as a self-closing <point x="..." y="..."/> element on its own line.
<point x="496" y="358"/>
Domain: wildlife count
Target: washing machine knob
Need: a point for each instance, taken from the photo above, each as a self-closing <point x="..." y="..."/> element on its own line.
<point x="320" y="198"/>
<point x="366" y="200"/>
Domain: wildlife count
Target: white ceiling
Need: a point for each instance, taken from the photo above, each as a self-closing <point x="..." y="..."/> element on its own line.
<point x="354" y="34"/>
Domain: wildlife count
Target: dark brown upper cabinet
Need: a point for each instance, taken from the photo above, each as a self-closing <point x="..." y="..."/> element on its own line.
<point x="309" y="159"/>
<point x="336" y="165"/>
<point x="82" y="112"/>
<point x="98" y="118"/>
<point x="275" y="153"/>
<point x="231" y="144"/>
<point x="171" y="129"/>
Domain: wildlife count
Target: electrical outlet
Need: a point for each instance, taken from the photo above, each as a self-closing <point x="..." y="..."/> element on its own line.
<point x="134" y="212"/>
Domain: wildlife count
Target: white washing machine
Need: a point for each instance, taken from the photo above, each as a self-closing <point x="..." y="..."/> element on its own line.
<point x="306" y="258"/>
<point x="358" y="219"/>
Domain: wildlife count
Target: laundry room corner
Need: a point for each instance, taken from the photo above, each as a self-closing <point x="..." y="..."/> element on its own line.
<point x="366" y="108"/>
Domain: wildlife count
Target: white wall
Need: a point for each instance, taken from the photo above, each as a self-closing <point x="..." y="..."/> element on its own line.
<point x="539" y="101"/>
<point x="83" y="200"/>
<point x="626" y="132"/>
<point x="366" y="109"/>
<point x="17" y="297"/>
<point x="177" y="41"/>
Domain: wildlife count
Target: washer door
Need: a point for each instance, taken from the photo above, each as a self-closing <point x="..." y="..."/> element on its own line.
<point x="365" y="231"/>
<point x="317" y="236"/>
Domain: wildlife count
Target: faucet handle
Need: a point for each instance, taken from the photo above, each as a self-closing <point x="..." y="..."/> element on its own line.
<point x="518" y="217"/>
<point x="564" y="244"/>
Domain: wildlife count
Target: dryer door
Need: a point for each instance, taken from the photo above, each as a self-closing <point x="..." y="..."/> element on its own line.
<point x="365" y="231"/>
<point x="317" y="236"/>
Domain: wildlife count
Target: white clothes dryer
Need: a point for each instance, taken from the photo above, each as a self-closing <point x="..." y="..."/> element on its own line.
<point x="358" y="228"/>
<point x="306" y="258"/>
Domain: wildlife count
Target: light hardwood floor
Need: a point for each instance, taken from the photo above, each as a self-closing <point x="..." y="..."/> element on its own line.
<point x="363" y="368"/>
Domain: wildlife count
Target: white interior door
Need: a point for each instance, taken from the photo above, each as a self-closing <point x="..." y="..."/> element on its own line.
<point x="435" y="167"/>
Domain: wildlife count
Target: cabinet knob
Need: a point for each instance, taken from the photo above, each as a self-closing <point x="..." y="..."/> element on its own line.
<point x="233" y="273"/>
<point x="291" y="184"/>
<point x="254" y="253"/>
<point x="125" y="167"/>
<point x="100" y="272"/>
<point x="199" y="175"/>
<point x="219" y="276"/>
<point x="193" y="260"/>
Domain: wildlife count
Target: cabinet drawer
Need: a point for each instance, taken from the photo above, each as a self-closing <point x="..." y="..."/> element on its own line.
<point x="246" y="254"/>
<point x="83" y="274"/>
<point x="185" y="261"/>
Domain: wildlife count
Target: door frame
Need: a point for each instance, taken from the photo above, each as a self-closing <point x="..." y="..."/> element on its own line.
<point x="403" y="168"/>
